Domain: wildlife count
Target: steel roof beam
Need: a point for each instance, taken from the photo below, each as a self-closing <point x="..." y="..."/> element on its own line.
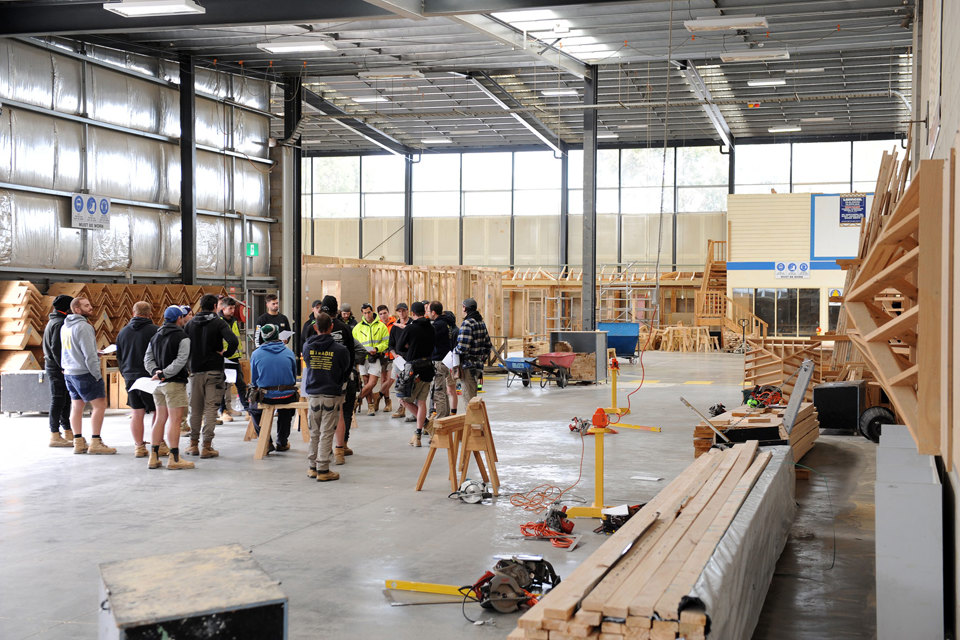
<point x="362" y="129"/>
<point x="699" y="88"/>
<point x="504" y="99"/>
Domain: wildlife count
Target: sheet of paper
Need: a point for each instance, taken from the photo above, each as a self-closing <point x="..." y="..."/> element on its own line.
<point x="451" y="360"/>
<point x="147" y="385"/>
<point x="285" y="335"/>
<point x="622" y="510"/>
<point x="400" y="362"/>
<point x="110" y="348"/>
<point x="230" y="375"/>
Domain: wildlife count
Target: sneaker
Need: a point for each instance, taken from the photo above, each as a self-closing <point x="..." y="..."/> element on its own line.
<point x="327" y="476"/>
<point x="79" y="445"/>
<point x="399" y="413"/>
<point x="179" y="464"/>
<point x="68" y="435"/>
<point x="56" y="440"/>
<point x="311" y="473"/>
<point x="192" y="450"/>
<point x="415" y="441"/>
<point x="164" y="449"/>
<point x="154" y="461"/>
<point x="283" y="447"/>
<point x="347" y="451"/>
<point x="140" y="451"/>
<point x="97" y="447"/>
<point x="338" y="456"/>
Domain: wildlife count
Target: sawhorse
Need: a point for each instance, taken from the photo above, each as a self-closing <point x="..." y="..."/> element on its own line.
<point x="446" y="435"/>
<point x="477" y="439"/>
<point x="266" y="425"/>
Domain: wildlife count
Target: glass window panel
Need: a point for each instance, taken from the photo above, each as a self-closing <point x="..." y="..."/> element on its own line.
<point x="536" y="170"/>
<point x="821" y="162"/>
<point x="762" y="164"/>
<point x="437" y="172"/>
<point x="487" y="171"/>
<point x="866" y="186"/>
<point x="823" y="187"/>
<point x="486" y="203"/>
<point x="808" y="314"/>
<point x="306" y="205"/>
<point x="608" y="200"/>
<point x="434" y="204"/>
<point x="744" y="298"/>
<point x="697" y="199"/>
<point x="646" y="167"/>
<point x="786" y="312"/>
<point x="383" y="205"/>
<point x="575" y="202"/>
<point x="336" y="175"/>
<point x="535" y="202"/>
<point x="704" y="166"/>
<point x="867" y="155"/>
<point x="336" y="205"/>
<point x="833" y="316"/>
<point x="382" y="173"/>
<point x="575" y="169"/>
<point x="647" y="200"/>
<point x="608" y="168"/>
<point x="762" y="188"/>
<point x="765" y="305"/>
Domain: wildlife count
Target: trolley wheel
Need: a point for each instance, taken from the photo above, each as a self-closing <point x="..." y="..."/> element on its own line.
<point x="525" y="379"/>
<point x="562" y="379"/>
<point x="871" y="419"/>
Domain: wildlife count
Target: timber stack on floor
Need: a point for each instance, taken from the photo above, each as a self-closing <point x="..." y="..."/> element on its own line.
<point x="774" y="361"/>
<point x="646" y="580"/>
<point x="764" y="424"/>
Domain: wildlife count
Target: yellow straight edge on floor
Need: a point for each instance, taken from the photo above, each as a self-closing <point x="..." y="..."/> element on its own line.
<point x="423" y="587"/>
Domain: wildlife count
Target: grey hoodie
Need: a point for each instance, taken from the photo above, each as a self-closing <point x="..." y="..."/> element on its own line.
<point x="78" y="353"/>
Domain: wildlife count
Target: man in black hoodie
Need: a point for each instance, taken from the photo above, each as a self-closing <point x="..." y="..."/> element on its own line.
<point x="326" y="371"/>
<point x="416" y="344"/>
<point x="132" y="344"/>
<point x="342" y="334"/>
<point x="207" y="333"/>
<point x="59" y="398"/>
<point x="441" y="347"/>
<point x="308" y="330"/>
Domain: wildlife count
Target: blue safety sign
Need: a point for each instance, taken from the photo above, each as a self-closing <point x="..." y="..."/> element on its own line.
<point x="84" y="211"/>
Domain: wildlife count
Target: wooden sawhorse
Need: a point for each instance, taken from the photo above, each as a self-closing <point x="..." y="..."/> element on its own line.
<point x="446" y="435"/>
<point x="478" y="438"/>
<point x="263" y="442"/>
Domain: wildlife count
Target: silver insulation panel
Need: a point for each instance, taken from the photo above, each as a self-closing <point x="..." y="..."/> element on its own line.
<point x="46" y="152"/>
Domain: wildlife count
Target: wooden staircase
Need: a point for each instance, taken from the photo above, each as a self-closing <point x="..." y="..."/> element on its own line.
<point x="714" y="309"/>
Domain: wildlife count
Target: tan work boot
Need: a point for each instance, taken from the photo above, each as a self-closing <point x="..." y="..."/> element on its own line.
<point x="179" y="464"/>
<point x="140" y="451"/>
<point x="387" y="404"/>
<point x="338" y="456"/>
<point x="97" y="447"/>
<point x="311" y="473"/>
<point x="415" y="441"/>
<point x="68" y="435"/>
<point x="193" y="449"/>
<point x="184" y="427"/>
<point x="164" y="449"/>
<point x="154" y="462"/>
<point x="79" y="445"/>
<point x="56" y="440"/>
<point x="327" y="476"/>
<point x="347" y="451"/>
<point x="226" y="416"/>
<point x="400" y="412"/>
<point x="208" y="451"/>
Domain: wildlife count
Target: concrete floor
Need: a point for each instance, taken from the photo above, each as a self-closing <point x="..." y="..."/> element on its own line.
<point x="332" y="545"/>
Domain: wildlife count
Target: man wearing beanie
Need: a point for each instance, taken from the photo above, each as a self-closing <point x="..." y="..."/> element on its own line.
<point x="346" y="314"/>
<point x="59" y="398"/>
<point x="416" y="345"/>
<point x="473" y="347"/>
<point x="167" y="356"/>
<point x="273" y="370"/>
<point x="342" y="335"/>
<point x="81" y="372"/>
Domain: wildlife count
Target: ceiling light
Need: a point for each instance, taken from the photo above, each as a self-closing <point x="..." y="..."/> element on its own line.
<point x="394" y="73"/>
<point x="755" y="55"/>
<point x="369" y="99"/>
<point x="725" y="23"/>
<point x="145" y="8"/>
<point x="631" y="126"/>
<point x="436" y="141"/>
<point x="818" y="119"/>
<point x="814" y="70"/>
<point x="787" y="128"/>
<point x="767" y="82"/>
<point x="559" y="92"/>
<point x="295" y="45"/>
<point x="606" y="136"/>
<point x="466" y="132"/>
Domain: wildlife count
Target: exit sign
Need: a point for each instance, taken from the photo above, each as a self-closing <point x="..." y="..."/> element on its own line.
<point x="253" y="249"/>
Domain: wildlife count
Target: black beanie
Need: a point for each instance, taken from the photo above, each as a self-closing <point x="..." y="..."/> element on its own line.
<point x="329" y="305"/>
<point x="62" y="303"/>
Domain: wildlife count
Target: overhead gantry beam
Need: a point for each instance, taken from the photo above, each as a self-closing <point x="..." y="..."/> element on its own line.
<point x="363" y="129"/>
<point x="496" y="92"/>
<point x="699" y="88"/>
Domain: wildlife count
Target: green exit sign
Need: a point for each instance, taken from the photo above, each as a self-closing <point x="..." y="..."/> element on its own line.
<point x="253" y="249"/>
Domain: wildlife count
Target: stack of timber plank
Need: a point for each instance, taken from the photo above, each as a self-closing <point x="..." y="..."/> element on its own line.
<point x="23" y="315"/>
<point x="764" y="424"/>
<point x="635" y="585"/>
<point x="774" y="361"/>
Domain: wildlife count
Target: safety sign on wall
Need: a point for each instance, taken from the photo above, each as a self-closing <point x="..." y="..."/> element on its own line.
<point x="853" y="209"/>
<point x="88" y="211"/>
<point x="791" y="270"/>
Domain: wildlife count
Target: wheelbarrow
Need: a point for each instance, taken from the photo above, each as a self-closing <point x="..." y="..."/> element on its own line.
<point x="555" y="367"/>
<point x="518" y="368"/>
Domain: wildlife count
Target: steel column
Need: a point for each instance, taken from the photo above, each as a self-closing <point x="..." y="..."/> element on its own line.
<point x="408" y="209"/>
<point x="589" y="292"/>
<point x="188" y="171"/>
<point x="564" y="208"/>
<point x="293" y="189"/>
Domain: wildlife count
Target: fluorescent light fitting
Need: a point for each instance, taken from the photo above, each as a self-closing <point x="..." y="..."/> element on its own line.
<point x="436" y="141"/>
<point x="755" y="55"/>
<point x="296" y="45"/>
<point x="370" y="99"/>
<point x="394" y="73"/>
<point x="787" y="128"/>
<point x="818" y="119"/>
<point x="767" y="82"/>
<point x="606" y="136"/>
<point x="632" y="126"/>
<point x="726" y="23"/>
<point x="146" y="8"/>
<point x="812" y="70"/>
<point x="559" y="92"/>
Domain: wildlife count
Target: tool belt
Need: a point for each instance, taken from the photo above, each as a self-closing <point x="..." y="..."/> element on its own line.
<point x="257" y="394"/>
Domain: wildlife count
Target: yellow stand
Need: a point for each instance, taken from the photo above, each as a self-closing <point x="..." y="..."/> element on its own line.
<point x="594" y="510"/>
<point x="615" y="409"/>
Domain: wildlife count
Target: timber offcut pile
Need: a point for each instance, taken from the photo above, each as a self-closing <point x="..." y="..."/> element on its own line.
<point x="764" y="424"/>
<point x="635" y="586"/>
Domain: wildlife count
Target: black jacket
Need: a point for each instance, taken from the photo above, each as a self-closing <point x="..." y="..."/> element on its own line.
<point x="165" y="346"/>
<point x="395" y="332"/>
<point x="132" y="344"/>
<point x="341" y="335"/>
<point x="51" y="343"/>
<point x="326" y="366"/>
<point x="308" y="331"/>
<point x="417" y="340"/>
<point x="280" y="320"/>
<point x="207" y="332"/>
<point x="441" y="338"/>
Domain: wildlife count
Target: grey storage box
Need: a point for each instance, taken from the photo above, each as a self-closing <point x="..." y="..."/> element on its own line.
<point x="24" y="391"/>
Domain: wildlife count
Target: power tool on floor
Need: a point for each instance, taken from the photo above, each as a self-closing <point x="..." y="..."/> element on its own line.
<point x="514" y="582"/>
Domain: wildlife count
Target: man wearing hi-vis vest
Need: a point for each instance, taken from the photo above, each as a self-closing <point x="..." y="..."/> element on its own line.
<point x="371" y="337"/>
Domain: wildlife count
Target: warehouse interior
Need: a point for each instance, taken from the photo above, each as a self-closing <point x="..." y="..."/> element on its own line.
<point x="721" y="223"/>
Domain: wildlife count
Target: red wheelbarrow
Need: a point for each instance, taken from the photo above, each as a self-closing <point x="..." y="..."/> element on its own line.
<point x="555" y="367"/>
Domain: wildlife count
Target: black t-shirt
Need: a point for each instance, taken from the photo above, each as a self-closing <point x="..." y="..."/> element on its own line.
<point x="417" y="340"/>
<point x="265" y="318"/>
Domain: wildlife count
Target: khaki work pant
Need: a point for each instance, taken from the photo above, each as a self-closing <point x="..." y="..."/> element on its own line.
<point x="323" y="417"/>
<point x="438" y="389"/>
<point x="468" y="385"/>
<point x="206" y="393"/>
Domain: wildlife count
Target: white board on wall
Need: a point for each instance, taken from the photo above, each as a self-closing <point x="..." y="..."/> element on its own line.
<point x="828" y="239"/>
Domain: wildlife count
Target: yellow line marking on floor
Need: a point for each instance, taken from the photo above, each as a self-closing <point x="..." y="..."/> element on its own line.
<point x="698" y="382"/>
